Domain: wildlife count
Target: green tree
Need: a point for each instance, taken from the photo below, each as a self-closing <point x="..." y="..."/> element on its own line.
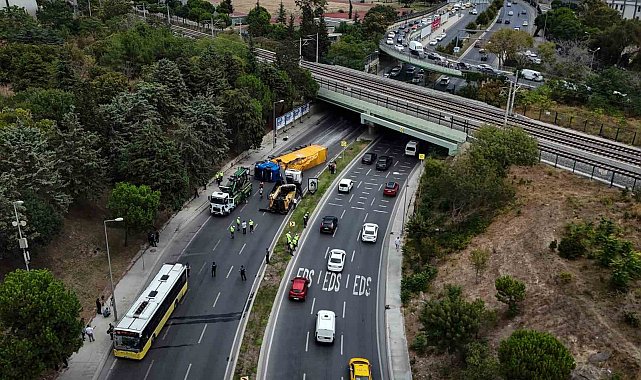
<point x="259" y="21"/>
<point x="50" y="104"/>
<point x="560" y="24"/>
<point x="350" y="52"/>
<point x="107" y="85"/>
<point x="282" y="15"/>
<point x="480" y="364"/>
<point x="56" y="14"/>
<point x="505" y="43"/>
<point x="225" y="6"/>
<point x="377" y="19"/>
<point x="44" y="220"/>
<point x="40" y="324"/>
<point x="114" y="8"/>
<point x="167" y="73"/>
<point x="243" y="116"/>
<point x="529" y="354"/>
<point x="450" y="322"/>
<point x="504" y="148"/>
<point x="511" y="292"/>
<point x="479" y="259"/>
<point x="137" y="205"/>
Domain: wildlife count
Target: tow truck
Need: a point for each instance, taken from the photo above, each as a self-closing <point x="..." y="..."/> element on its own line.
<point x="236" y="191"/>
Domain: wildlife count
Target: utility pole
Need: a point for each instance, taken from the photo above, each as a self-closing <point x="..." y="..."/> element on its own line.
<point x="507" y="105"/>
<point x="89" y="1"/>
<point x="22" y="242"/>
<point x="316" y="47"/>
<point x="168" y="18"/>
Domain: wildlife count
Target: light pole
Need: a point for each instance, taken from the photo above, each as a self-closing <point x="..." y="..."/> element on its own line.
<point x="404" y="207"/>
<point x="274" y="117"/>
<point x="592" y="59"/>
<point x="111" y="276"/>
<point x="22" y="242"/>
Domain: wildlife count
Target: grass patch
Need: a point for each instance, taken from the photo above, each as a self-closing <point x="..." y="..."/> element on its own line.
<point x="266" y="295"/>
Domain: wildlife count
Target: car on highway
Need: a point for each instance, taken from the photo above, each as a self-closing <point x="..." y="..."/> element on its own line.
<point x="390" y="35"/>
<point x="384" y="162"/>
<point x="509" y="4"/>
<point x="345" y="185"/>
<point x="369" y="158"/>
<point x="433" y="56"/>
<point x="329" y="224"/>
<point x="462" y="66"/>
<point x="433" y="43"/>
<point x="444" y="81"/>
<point x="298" y="289"/>
<point x="510" y="13"/>
<point x="517" y="28"/>
<point x="410" y="70"/>
<point x="325" y="326"/>
<point x="507" y="21"/>
<point x="525" y="23"/>
<point x="474" y="12"/>
<point x="369" y="233"/>
<point x="395" y="71"/>
<point x="390" y="41"/>
<point x="336" y="260"/>
<point x="399" y="47"/>
<point x="440" y="37"/>
<point x="360" y="369"/>
<point x="391" y="189"/>
<point x="399" y="39"/>
<point x="418" y="78"/>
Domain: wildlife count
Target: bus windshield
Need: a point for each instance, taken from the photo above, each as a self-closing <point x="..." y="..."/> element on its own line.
<point x="126" y="342"/>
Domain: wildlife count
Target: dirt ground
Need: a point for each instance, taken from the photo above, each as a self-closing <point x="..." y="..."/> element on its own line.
<point x="584" y="313"/>
<point x="333" y="6"/>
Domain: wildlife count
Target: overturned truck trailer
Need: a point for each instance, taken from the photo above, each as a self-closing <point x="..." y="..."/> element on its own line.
<point x="303" y="159"/>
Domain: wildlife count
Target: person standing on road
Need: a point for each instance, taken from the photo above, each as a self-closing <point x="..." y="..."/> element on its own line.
<point x="305" y="219"/>
<point x="267" y="255"/>
<point x="89" y="331"/>
<point x="260" y="191"/>
<point x="83" y="332"/>
<point x="243" y="275"/>
<point x="231" y="230"/>
<point x="244" y="224"/>
<point x="213" y="269"/>
<point x="251" y="226"/>
<point x="238" y="222"/>
<point x="398" y="242"/>
<point x="98" y="306"/>
<point x="110" y="331"/>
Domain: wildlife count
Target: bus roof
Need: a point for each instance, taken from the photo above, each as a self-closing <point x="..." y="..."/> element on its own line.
<point x="145" y="306"/>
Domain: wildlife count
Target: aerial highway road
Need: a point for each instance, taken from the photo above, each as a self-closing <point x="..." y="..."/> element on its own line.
<point x="355" y="295"/>
<point x="197" y="340"/>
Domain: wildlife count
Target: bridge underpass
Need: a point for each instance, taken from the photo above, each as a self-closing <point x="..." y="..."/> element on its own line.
<point x="375" y="114"/>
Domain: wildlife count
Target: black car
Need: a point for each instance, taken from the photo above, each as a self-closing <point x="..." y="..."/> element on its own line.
<point x="329" y="224"/>
<point x="369" y="158"/>
<point x="462" y="66"/>
<point x="384" y="163"/>
<point x="507" y="21"/>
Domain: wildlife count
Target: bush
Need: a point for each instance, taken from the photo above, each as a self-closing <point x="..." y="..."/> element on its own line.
<point x="510" y="291"/>
<point x="529" y="354"/>
<point x="480" y="364"/>
<point x="572" y="247"/>
<point x="564" y="278"/>
<point x="418" y="282"/>
<point x="420" y="343"/>
<point x="631" y="318"/>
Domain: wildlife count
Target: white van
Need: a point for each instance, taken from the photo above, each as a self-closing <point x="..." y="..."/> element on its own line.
<point x="411" y="148"/>
<point x="531" y="75"/>
<point x="325" y="326"/>
<point x="416" y="46"/>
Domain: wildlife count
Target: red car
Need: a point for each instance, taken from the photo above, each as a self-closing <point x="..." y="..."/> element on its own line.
<point x="298" y="290"/>
<point x="391" y="189"/>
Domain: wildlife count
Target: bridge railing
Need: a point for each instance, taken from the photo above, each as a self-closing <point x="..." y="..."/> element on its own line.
<point x="592" y="169"/>
<point x="423" y="63"/>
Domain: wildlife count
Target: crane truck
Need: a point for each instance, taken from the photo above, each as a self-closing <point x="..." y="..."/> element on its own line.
<point x="236" y="191"/>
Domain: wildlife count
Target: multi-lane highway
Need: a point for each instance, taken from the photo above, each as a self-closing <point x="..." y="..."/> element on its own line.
<point x="198" y="338"/>
<point x="354" y="295"/>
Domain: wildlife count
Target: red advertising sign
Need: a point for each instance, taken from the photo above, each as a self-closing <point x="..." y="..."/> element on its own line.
<point x="436" y="23"/>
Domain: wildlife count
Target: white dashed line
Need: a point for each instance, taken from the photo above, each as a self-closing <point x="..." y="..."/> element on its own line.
<point x="189" y="369"/>
<point x="230" y="269"/>
<point x="216" y="301"/>
<point x="313" y="303"/>
<point x="148" y="370"/>
<point x="357" y="208"/>
<point x="241" y="250"/>
<point x="202" y="334"/>
<point x="343" y="213"/>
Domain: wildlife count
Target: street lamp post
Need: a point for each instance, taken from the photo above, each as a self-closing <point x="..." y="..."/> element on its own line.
<point x="111" y="277"/>
<point x="22" y="242"/>
<point x="274" y="117"/>
<point x="592" y="59"/>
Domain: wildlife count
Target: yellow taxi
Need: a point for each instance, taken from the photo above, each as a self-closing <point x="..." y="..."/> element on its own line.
<point x="360" y="369"/>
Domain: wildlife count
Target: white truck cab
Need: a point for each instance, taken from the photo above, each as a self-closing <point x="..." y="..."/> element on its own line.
<point x="294" y="176"/>
<point x="221" y="203"/>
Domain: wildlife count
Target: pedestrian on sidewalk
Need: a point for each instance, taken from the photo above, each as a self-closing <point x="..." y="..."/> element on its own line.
<point x="110" y="331"/>
<point x="195" y="192"/>
<point x="89" y="331"/>
<point x="83" y="332"/>
<point x="244" y="224"/>
<point x="156" y="237"/>
<point x="98" y="306"/>
<point x="243" y="275"/>
<point x="251" y="226"/>
<point x="267" y="255"/>
<point x="397" y="242"/>
<point x="213" y="269"/>
<point x="188" y="269"/>
<point x="305" y="219"/>
<point x="231" y="230"/>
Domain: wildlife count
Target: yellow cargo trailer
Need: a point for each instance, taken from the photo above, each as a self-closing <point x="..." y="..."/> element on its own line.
<point x="303" y="159"/>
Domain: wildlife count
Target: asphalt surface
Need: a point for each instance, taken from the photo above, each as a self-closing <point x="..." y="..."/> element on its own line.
<point x="197" y="339"/>
<point x="292" y="352"/>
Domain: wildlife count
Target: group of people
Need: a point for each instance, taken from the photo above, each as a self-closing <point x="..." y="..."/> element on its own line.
<point x="153" y="237"/>
<point x="219" y="178"/>
<point x="292" y="242"/>
<point x="242" y="225"/>
<point x="332" y="167"/>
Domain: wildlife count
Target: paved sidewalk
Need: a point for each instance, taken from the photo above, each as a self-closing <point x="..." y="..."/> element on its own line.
<point x="398" y="354"/>
<point x="87" y="363"/>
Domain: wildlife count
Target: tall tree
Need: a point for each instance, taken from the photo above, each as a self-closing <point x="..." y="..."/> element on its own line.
<point x="505" y="43"/>
<point x="40" y="324"/>
<point x="114" y="8"/>
<point x="167" y="73"/>
<point x="56" y="14"/>
<point x="282" y="15"/>
<point x="137" y="205"/>
<point x="208" y="118"/>
<point x="243" y="116"/>
<point x="258" y="21"/>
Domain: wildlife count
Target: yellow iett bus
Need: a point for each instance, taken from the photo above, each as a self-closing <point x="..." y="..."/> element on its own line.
<point x="144" y="321"/>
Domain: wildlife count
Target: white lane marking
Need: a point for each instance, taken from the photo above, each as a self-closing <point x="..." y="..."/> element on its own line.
<point x="343" y="213"/>
<point x="396" y="163"/>
<point x="306" y="346"/>
<point x="362" y="197"/>
<point x="334" y="234"/>
<point x="371" y="184"/>
<point x="359" y="184"/>
<point x="358" y="208"/>
<point x="334" y="204"/>
<point x="380" y="187"/>
<point x="387" y="176"/>
<point x="381" y="211"/>
<point x="364" y="219"/>
<point x="368" y="172"/>
<point x="353" y="252"/>
<point x="187" y="374"/>
<point x="216" y="246"/>
<point x="304" y="374"/>
<point x="313" y="303"/>
<point x="201" y="268"/>
<point x="344" y="303"/>
<point x="382" y="206"/>
<point x="350" y="198"/>
<point x="319" y="276"/>
<point x="113" y="364"/>
<point x="241" y="250"/>
<point x="353" y="175"/>
<point x="386" y="150"/>
<point x="365" y="192"/>
<point x="202" y="334"/>
<point x="368" y="188"/>
<point x="148" y="369"/>
<point x="166" y="331"/>
<point x="347" y="282"/>
<point x="216" y="301"/>
<point x="384" y="200"/>
<point x="242" y="208"/>
<point x="326" y="251"/>
<point x="360" y="203"/>
<point x="228" y="273"/>
<point x="377" y="175"/>
<point x="372" y="203"/>
<point x="341" y="345"/>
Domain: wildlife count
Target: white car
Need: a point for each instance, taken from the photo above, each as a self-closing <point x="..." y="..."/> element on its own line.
<point x="369" y="232"/>
<point x="336" y="260"/>
<point x="390" y="41"/>
<point x="433" y="43"/>
<point x="345" y="185"/>
<point x="399" y="47"/>
<point x="439" y="37"/>
<point x="390" y="35"/>
<point x="509" y="4"/>
<point x="525" y="23"/>
<point x="517" y="28"/>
